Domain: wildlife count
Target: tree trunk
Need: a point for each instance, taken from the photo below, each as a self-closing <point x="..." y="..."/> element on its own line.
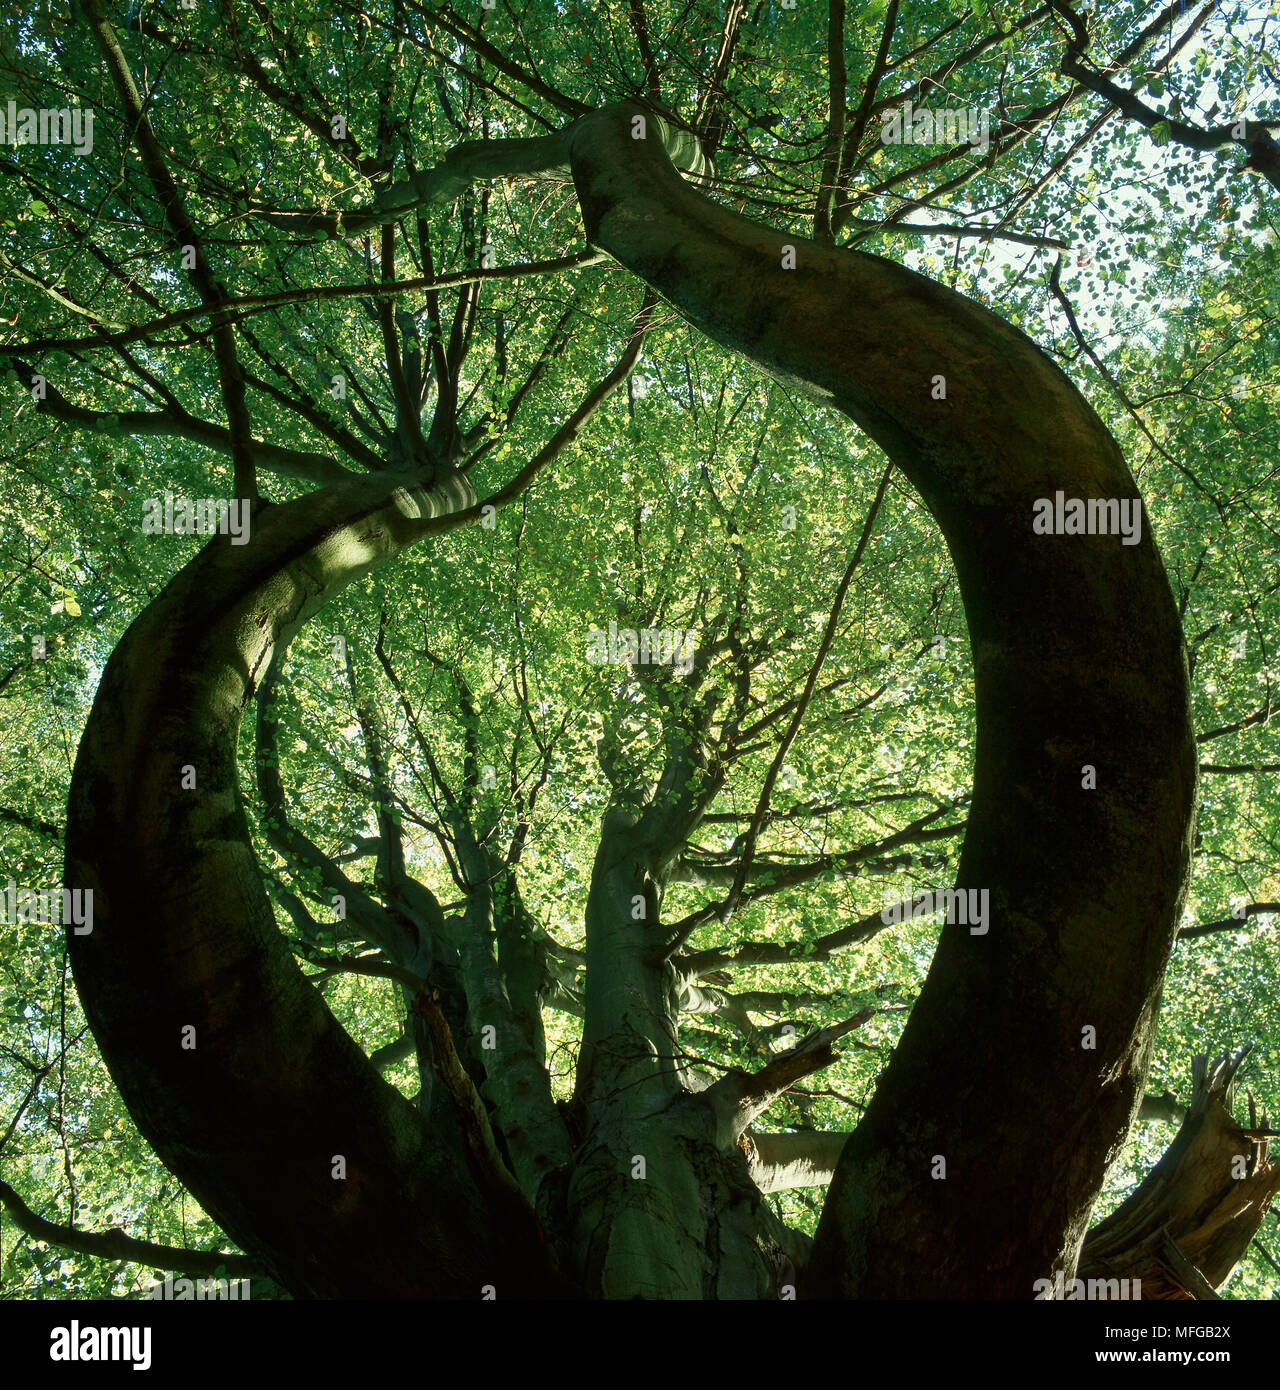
<point x="660" y="1207"/>
<point x="1079" y="665"/>
<point x="230" y="1062"/>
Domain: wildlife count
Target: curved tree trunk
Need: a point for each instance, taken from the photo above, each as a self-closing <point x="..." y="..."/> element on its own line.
<point x="234" y="1068"/>
<point x="1078" y="660"/>
<point x="1079" y="663"/>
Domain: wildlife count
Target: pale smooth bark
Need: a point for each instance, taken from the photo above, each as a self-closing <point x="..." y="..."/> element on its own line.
<point x="779" y="1162"/>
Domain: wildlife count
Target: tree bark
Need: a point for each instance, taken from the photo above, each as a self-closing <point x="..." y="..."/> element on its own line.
<point x="1079" y="663"/>
<point x="782" y="1161"/>
<point x="269" y="1092"/>
<point x="1189" y="1224"/>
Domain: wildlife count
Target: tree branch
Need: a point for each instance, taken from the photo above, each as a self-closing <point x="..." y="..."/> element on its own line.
<point x="183" y="233"/>
<point x="828" y="637"/>
<point x="1232" y="923"/>
<point x="833" y="206"/>
<point x="836" y="79"/>
<point x="782" y="1162"/>
<point x="177" y="424"/>
<point x="739" y="1097"/>
<point x="1254" y="136"/>
<point x="29" y="822"/>
<point x="116" y="1245"/>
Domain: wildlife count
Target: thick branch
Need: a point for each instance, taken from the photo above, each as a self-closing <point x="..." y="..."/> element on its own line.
<point x="782" y="1162"/>
<point x="1079" y="660"/>
<point x="269" y="1092"/>
<point x="36" y="824"/>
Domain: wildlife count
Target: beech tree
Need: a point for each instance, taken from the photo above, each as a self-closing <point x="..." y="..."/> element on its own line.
<point x="696" y="690"/>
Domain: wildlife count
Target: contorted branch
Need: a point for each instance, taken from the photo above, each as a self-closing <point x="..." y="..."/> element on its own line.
<point x="1079" y="666"/>
<point x="235" y="1071"/>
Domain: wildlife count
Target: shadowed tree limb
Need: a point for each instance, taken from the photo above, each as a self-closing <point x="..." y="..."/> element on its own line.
<point x="1254" y="136"/>
<point x="256" y="1114"/>
<point x="175" y="423"/>
<point x="116" y="1245"/>
<point x="36" y="824"/>
<point x="1232" y="923"/>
